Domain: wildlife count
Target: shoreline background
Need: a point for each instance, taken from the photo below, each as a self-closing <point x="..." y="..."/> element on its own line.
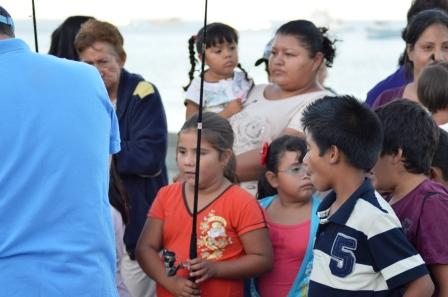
<point x="366" y="52"/>
<point x="159" y="52"/>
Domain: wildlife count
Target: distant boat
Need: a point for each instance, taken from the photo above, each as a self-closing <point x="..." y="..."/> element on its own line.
<point x="383" y="30"/>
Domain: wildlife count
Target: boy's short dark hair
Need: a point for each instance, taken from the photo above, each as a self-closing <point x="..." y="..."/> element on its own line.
<point x="348" y="124"/>
<point x="440" y="159"/>
<point x="432" y="89"/>
<point x="407" y="125"/>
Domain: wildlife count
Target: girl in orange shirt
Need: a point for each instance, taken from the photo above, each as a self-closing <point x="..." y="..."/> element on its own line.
<point x="233" y="241"/>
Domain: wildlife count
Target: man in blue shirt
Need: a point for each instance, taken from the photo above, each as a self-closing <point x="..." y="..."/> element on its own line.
<point x="58" y="129"/>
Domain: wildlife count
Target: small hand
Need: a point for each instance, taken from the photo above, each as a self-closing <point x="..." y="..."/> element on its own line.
<point x="202" y="270"/>
<point x="183" y="287"/>
<point x="232" y="108"/>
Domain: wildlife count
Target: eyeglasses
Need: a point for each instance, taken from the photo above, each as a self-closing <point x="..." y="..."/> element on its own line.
<point x="295" y="170"/>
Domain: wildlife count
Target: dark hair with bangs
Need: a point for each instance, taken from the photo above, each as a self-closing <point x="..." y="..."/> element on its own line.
<point x="312" y="38"/>
<point x="343" y="121"/>
<point x="217" y="131"/>
<point x="276" y="150"/>
<point x="409" y="127"/>
<point x="432" y="88"/>
<point x="217" y="33"/>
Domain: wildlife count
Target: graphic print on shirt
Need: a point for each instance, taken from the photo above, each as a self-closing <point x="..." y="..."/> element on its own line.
<point x="213" y="238"/>
<point x="250" y="131"/>
<point x="407" y="225"/>
<point x="342" y="257"/>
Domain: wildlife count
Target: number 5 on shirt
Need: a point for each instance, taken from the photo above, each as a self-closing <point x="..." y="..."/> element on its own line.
<point x="342" y="257"/>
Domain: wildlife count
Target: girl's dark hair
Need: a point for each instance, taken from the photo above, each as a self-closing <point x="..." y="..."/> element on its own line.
<point x="432" y="88"/>
<point x="313" y="38"/>
<point x="118" y="196"/>
<point x="277" y="149"/>
<point x="217" y="33"/>
<point x="63" y="38"/>
<point x="418" y="24"/>
<point x="217" y="131"/>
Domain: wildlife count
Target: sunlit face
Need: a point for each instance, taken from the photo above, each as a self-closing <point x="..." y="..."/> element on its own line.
<point x="212" y="163"/>
<point x="221" y="60"/>
<point x="103" y="56"/>
<point x="291" y="180"/>
<point x="318" y="166"/>
<point x="432" y="42"/>
<point x="290" y="64"/>
<point x="383" y="174"/>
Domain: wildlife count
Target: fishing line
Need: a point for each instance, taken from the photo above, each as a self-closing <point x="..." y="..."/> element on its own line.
<point x="193" y="240"/>
<point x="36" y="45"/>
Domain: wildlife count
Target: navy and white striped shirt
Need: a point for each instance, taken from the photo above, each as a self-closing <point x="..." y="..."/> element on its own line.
<point x="361" y="250"/>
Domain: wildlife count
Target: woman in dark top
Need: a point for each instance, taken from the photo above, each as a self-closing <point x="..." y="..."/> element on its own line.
<point x="426" y="40"/>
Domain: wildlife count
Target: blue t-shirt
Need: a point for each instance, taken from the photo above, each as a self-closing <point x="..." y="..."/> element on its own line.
<point x="57" y="130"/>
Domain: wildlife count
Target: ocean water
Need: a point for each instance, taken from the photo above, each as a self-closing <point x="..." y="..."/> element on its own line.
<point x="159" y="52"/>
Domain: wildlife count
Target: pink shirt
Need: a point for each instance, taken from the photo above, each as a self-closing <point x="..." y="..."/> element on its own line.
<point x="289" y="243"/>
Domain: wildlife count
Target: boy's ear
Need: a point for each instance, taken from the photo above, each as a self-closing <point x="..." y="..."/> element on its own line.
<point x="334" y="154"/>
<point x="432" y="173"/>
<point x="398" y="157"/>
<point x="271" y="177"/>
<point x="436" y="174"/>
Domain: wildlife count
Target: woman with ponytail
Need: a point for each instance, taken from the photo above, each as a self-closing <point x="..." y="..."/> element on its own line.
<point x="299" y="50"/>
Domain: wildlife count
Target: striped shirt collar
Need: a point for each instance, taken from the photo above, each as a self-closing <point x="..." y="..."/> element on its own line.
<point x="341" y="216"/>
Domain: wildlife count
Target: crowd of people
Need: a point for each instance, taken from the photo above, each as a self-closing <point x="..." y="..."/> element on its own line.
<point x="301" y="191"/>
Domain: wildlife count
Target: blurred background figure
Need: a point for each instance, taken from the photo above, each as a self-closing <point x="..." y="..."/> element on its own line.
<point x="426" y="40"/>
<point x="402" y="77"/>
<point x="265" y="58"/>
<point x="63" y="37"/>
<point x="143" y="133"/>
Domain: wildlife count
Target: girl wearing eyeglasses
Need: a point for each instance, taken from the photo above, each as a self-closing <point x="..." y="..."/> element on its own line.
<point x="286" y="195"/>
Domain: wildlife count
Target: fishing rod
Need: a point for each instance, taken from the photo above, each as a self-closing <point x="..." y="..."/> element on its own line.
<point x="36" y="45"/>
<point x="169" y="257"/>
<point x="193" y="240"/>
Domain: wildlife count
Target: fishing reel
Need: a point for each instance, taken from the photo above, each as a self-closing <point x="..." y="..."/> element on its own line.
<point x="169" y="259"/>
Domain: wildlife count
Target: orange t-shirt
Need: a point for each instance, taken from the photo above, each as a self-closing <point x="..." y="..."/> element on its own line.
<point x="232" y="214"/>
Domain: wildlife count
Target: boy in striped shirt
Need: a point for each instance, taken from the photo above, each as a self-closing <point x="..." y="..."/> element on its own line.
<point x="360" y="249"/>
